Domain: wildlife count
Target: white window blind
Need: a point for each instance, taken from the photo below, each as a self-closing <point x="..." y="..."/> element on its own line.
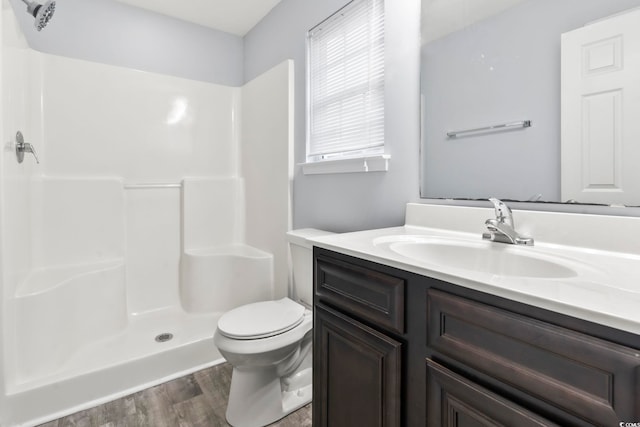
<point x="346" y="83"/>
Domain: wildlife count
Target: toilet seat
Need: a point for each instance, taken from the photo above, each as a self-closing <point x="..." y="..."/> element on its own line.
<point x="261" y="320"/>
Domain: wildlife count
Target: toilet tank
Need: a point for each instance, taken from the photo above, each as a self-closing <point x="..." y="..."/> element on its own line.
<point x="302" y="262"/>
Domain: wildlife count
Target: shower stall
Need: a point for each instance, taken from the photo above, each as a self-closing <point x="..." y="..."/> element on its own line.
<point x="158" y="203"/>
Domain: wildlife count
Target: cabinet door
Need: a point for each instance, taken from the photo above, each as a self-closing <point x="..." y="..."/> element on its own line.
<point x="356" y="373"/>
<point x="454" y="401"/>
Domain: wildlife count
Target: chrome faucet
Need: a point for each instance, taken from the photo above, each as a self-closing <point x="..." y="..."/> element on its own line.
<point x="24" y="147"/>
<point x="501" y="229"/>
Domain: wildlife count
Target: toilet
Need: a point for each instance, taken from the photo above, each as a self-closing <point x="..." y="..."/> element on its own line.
<point x="268" y="344"/>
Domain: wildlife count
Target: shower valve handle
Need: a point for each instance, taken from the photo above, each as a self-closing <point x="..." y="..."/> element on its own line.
<point x="24" y="147"/>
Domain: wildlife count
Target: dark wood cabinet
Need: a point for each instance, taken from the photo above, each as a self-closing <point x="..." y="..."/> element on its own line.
<point x="589" y="377"/>
<point x="356" y="373"/>
<point x="396" y="348"/>
<point x="454" y="401"/>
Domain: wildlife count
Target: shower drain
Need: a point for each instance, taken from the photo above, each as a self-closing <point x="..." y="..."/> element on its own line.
<point x="164" y="337"/>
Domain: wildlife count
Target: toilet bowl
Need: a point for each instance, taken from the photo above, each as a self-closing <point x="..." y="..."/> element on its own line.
<point x="268" y="344"/>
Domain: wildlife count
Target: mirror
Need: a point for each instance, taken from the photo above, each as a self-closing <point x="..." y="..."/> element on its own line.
<point x="498" y="64"/>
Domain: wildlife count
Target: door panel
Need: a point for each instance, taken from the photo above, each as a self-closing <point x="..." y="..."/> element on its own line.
<point x="600" y="108"/>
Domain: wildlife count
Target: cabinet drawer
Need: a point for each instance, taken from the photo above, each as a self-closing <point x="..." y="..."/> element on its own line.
<point x="454" y="401"/>
<point x="592" y="379"/>
<point x="363" y="293"/>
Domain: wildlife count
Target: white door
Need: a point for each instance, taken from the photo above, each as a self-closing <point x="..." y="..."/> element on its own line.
<point x="600" y="79"/>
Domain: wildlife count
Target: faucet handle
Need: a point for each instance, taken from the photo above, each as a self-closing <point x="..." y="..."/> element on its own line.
<point x="24" y="147"/>
<point x="503" y="212"/>
<point x="28" y="148"/>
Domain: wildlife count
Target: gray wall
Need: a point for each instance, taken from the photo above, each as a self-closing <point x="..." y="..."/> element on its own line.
<point x="114" y="33"/>
<point x="346" y="202"/>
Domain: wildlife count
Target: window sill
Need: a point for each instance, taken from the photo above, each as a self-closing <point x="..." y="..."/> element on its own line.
<point x="379" y="163"/>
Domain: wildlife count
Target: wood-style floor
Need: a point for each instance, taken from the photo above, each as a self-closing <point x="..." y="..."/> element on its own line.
<point x="198" y="400"/>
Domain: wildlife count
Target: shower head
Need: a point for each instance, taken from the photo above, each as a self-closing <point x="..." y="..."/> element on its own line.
<point x="41" y="12"/>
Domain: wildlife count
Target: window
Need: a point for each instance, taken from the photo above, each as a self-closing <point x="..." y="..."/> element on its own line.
<point x="345" y="86"/>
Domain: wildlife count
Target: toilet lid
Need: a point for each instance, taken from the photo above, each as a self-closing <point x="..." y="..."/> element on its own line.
<point x="261" y="319"/>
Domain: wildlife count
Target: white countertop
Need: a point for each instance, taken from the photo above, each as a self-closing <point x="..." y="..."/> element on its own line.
<point x="604" y="290"/>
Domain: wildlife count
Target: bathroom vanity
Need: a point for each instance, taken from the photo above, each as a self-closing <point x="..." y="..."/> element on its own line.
<point x="545" y="337"/>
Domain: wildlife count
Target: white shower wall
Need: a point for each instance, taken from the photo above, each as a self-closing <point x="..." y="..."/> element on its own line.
<point x="142" y="128"/>
<point x="139" y="172"/>
<point x="152" y="248"/>
<point x="267" y="163"/>
<point x="101" y="120"/>
<point x="20" y="111"/>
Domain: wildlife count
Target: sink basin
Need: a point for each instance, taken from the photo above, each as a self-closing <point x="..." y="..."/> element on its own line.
<point x="482" y="257"/>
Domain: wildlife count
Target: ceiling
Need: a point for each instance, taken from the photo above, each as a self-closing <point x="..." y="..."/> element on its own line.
<point x="439" y="17"/>
<point x="231" y="16"/>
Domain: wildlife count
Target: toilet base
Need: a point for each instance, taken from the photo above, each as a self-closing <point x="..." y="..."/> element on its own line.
<point x="259" y="397"/>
